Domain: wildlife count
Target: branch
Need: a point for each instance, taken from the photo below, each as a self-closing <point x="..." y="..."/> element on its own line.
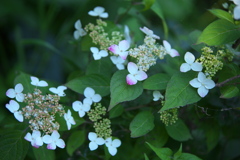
<point x="226" y="81"/>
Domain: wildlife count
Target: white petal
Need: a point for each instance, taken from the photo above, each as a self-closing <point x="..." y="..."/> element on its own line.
<point x="103" y="53"/>
<point x="167" y="45"/>
<point x="114" y="48"/>
<point x="36" y="134"/>
<point x="53" y="90"/>
<point x="88" y="101"/>
<point x="201" y="77"/>
<point x="120" y="66"/>
<point x="28" y="137"/>
<point x="141" y="75"/>
<point x="196" y="67"/>
<point x="20" y="97"/>
<point x="156" y="95"/>
<point x="78" y="24"/>
<point x="86" y="107"/>
<point x="195" y="83"/>
<point x="116" y="143"/>
<point x="104" y="15"/>
<point x="100" y="141"/>
<point x="47" y="139"/>
<point x="185" y="67"/>
<point x="18" y="116"/>
<point x="112" y="150"/>
<point x="114" y="59"/>
<point x="132" y="68"/>
<point x="60" y="143"/>
<point x="11" y="93"/>
<point x="202" y="91"/>
<point x="55" y="135"/>
<point x="96" y="56"/>
<point x="209" y="84"/>
<point x="123" y="55"/>
<point x="174" y="53"/>
<point x="34" y="80"/>
<point x="123" y="45"/>
<point x="42" y="83"/>
<point x="76" y="105"/>
<point x="96" y="98"/>
<point x="92" y="136"/>
<point x="89" y="92"/>
<point x="189" y="58"/>
<point x="92" y="13"/>
<point x="81" y="113"/>
<point x="93" y="146"/>
<point x="236" y="12"/>
<point x="39" y="141"/>
<point x="51" y="146"/>
<point x="19" y="88"/>
<point x="12" y="106"/>
<point x="76" y="34"/>
<point x="98" y="10"/>
<point x="94" y="49"/>
<point x="131" y="80"/>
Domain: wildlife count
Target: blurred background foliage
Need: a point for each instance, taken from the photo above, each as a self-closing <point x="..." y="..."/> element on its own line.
<point x="36" y="37"/>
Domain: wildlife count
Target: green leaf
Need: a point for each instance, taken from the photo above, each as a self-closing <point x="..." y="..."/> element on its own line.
<point x="192" y="38"/>
<point x="156" y="82"/>
<point x="121" y="91"/>
<point x="116" y="111"/>
<point x="142" y="123"/>
<point x="148" y="4"/>
<point x="178" y="153"/>
<point x="188" y="156"/>
<point x="179" y="92"/>
<point x="76" y="139"/>
<point x="212" y="135"/>
<point x="229" y="91"/>
<point x="42" y="153"/>
<point x="98" y="82"/>
<point x="25" y="80"/>
<point x="146" y="157"/>
<point x="222" y="14"/>
<point x="219" y="32"/>
<point x="179" y="131"/>
<point x="13" y="145"/>
<point x="163" y="153"/>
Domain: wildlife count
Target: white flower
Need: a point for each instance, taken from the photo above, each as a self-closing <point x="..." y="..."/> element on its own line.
<point x="79" y="32"/>
<point x="98" y="11"/>
<point x="189" y="58"/>
<point x="120" y="49"/>
<point x="157" y="95"/>
<point x="13" y="107"/>
<point x="98" y="54"/>
<point x="149" y="32"/>
<point x="95" y="141"/>
<point x="170" y="51"/>
<point x="118" y="61"/>
<point x="35" y="81"/>
<point x="135" y="75"/>
<point x="59" y="90"/>
<point x="202" y="83"/>
<point x="236" y="12"/>
<point x="53" y="141"/>
<point x="16" y="92"/>
<point x="237" y="2"/>
<point x="126" y="34"/>
<point x="112" y="145"/>
<point x="81" y="108"/>
<point x="91" y="97"/>
<point x="69" y="119"/>
<point x="35" y="138"/>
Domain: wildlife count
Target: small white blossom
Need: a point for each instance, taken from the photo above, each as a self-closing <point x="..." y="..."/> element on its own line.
<point x="91" y="97"/>
<point x="35" y="138"/>
<point x="202" y="83"/>
<point x="81" y="108"/>
<point x="16" y="92"/>
<point x="195" y="66"/>
<point x="13" y="107"/>
<point x="112" y="145"/>
<point x="35" y="81"/>
<point x="69" y="119"/>
<point x="118" y="61"/>
<point x="53" y="141"/>
<point x="170" y="51"/>
<point x="95" y="141"/>
<point x="98" y="11"/>
<point x="120" y="49"/>
<point x="98" y="54"/>
<point x="149" y="32"/>
<point x="59" y="90"/>
<point x="157" y="95"/>
<point x="79" y="32"/>
<point x="135" y="75"/>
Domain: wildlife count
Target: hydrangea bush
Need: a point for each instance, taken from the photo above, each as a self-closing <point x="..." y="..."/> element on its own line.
<point x="127" y="104"/>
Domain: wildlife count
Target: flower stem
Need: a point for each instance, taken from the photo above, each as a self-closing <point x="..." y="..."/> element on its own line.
<point x="226" y="81"/>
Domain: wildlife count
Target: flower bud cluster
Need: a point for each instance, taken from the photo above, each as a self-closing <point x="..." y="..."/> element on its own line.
<point x="102" y="125"/>
<point x="41" y="111"/>
<point x="100" y="37"/>
<point x="170" y="116"/>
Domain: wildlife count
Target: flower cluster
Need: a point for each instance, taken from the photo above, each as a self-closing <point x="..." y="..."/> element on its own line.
<point x="169" y="116"/>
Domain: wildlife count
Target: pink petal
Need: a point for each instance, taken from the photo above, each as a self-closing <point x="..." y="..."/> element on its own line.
<point x="189" y="58"/>
<point x="132" y="68"/>
<point x="123" y="55"/>
<point x="11" y="93"/>
<point x="141" y="75"/>
<point x="174" y="53"/>
<point x="131" y="80"/>
<point x="51" y="146"/>
<point x="123" y="45"/>
<point x="114" y="48"/>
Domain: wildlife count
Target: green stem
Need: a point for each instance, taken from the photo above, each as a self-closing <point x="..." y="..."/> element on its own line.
<point x="226" y="81"/>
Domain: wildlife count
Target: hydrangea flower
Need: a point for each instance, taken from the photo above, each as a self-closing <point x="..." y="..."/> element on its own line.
<point x="79" y="32"/>
<point x="53" y="141"/>
<point x="135" y="75"/>
<point x="202" y="83"/>
<point x="120" y="49"/>
<point x="149" y="32"/>
<point x="81" y="108"/>
<point x="35" y="81"/>
<point x="35" y="138"/>
<point x="170" y="51"/>
<point x="13" y="107"/>
<point x="126" y="34"/>
<point x="236" y="10"/>
<point x="16" y="92"/>
<point x="91" y="97"/>
<point x="95" y="141"/>
<point x="69" y="119"/>
<point x="59" y="90"/>
<point x="112" y="145"/>
<point x="190" y="64"/>
<point x="98" y="54"/>
<point x="157" y="95"/>
<point x="98" y="11"/>
<point x="118" y="61"/>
